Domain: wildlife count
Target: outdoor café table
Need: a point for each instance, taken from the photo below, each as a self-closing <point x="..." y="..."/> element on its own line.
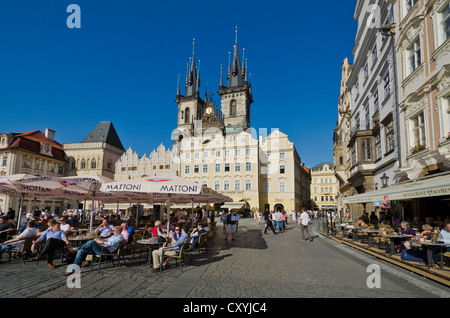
<point x="370" y="234"/>
<point x="392" y="238"/>
<point x="79" y="240"/>
<point x="151" y="245"/>
<point x="355" y="232"/>
<point x="429" y="247"/>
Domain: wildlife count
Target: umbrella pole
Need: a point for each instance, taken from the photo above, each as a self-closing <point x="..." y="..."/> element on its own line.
<point x="168" y="215"/>
<point x="137" y="213"/>
<point x="92" y="213"/>
<point x="84" y="212"/>
<point x="20" y="211"/>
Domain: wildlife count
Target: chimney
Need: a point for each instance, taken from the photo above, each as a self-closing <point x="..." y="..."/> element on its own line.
<point x="49" y="133"/>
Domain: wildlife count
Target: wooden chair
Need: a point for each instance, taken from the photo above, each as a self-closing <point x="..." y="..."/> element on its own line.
<point x="104" y="253"/>
<point x="25" y="249"/>
<point x="136" y="247"/>
<point x="180" y="256"/>
<point x="202" y="241"/>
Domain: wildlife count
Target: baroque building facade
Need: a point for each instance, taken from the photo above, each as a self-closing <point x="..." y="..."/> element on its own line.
<point x="408" y="134"/>
<point x="215" y="145"/>
<point x="34" y="153"/>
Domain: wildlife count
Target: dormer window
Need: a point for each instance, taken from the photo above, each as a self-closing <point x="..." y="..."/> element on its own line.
<point x="46" y="149"/>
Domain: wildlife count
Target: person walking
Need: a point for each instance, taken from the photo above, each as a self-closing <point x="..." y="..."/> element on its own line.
<point x="268" y="216"/>
<point x="304" y="221"/>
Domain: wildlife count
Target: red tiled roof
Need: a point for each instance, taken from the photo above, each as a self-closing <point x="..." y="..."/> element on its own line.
<point x="30" y="142"/>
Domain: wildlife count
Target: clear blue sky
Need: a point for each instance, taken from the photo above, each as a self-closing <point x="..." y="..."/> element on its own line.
<point x="123" y="65"/>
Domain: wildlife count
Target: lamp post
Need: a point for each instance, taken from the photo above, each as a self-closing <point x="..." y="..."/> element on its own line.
<point x="384" y="180"/>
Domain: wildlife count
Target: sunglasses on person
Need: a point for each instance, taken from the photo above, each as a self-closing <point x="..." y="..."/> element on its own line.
<point x="177" y="229"/>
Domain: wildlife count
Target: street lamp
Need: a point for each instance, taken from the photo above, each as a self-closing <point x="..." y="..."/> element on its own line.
<point x="384" y="180"/>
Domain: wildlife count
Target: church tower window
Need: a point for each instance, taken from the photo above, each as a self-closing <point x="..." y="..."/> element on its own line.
<point x="186" y="116"/>
<point x="233" y="108"/>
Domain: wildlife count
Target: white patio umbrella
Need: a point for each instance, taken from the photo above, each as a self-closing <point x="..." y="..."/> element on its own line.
<point x="165" y="188"/>
<point x="75" y="187"/>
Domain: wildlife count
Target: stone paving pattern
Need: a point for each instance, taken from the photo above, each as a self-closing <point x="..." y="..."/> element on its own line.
<point x="255" y="265"/>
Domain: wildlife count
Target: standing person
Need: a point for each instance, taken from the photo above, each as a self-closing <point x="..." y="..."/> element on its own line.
<point x="268" y="216"/>
<point x="304" y="221"/>
<point x="276" y="218"/>
<point x="283" y="220"/>
<point x="259" y="217"/>
<point x="223" y="217"/>
<point x="232" y="220"/>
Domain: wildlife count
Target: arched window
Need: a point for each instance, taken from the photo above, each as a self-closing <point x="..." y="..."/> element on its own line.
<point x="233" y="107"/>
<point x="83" y="164"/>
<point x="93" y="164"/>
<point x="187" y="114"/>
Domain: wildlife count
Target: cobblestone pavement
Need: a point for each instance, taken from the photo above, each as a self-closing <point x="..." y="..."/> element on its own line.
<point x="255" y="265"/>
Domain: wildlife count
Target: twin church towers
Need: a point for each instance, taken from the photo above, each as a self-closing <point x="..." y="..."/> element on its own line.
<point x="236" y="98"/>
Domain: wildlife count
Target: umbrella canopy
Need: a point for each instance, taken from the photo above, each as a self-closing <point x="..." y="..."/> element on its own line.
<point x="166" y="188"/>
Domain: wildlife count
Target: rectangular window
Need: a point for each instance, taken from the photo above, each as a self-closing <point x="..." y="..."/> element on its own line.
<point x="366" y="149"/>
<point x="227" y="167"/>
<point x="205" y="168"/>
<point x="366" y="71"/>
<point x="248" y="185"/>
<point x="237" y="152"/>
<point x="377" y="147"/>
<point x="282" y="186"/>
<point x="282" y="169"/>
<point x="205" y="183"/>
<point x="374" y="54"/>
<point x="217" y="185"/>
<point x="217" y="153"/>
<point x="376" y="103"/>
<point x="414" y="58"/>
<point x="390" y="138"/>
<point x="354" y="157"/>
<point x="187" y="156"/>
<point x="196" y="155"/>
<point x="196" y="168"/>
<point x="187" y="169"/>
<point x="367" y="113"/>
<point x="266" y="187"/>
<point x="217" y="167"/>
<point x="237" y="185"/>
<point x="248" y="166"/>
<point x="237" y="167"/>
<point x="282" y="155"/>
<point x="226" y="153"/>
<point x="226" y="185"/>
<point x="418" y="129"/>
<point x="248" y="151"/>
<point x="387" y="85"/>
<point x="4" y="160"/>
<point x="410" y="4"/>
<point x="205" y="154"/>
<point x="61" y="170"/>
<point x="445" y="22"/>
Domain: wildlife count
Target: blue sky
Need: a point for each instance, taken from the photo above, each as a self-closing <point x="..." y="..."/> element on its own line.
<point x="122" y="65"/>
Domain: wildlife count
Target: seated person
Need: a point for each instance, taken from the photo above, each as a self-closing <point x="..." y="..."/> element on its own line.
<point x="54" y="239"/>
<point x="124" y="233"/>
<point x="157" y="230"/>
<point x="96" y="247"/>
<point x="175" y="249"/>
<point x="64" y="225"/>
<point x="105" y="229"/>
<point x="408" y="231"/>
<point x="16" y="243"/>
<point x="416" y="223"/>
<point x="196" y="232"/>
<point x="444" y="236"/>
<point x="359" y="223"/>
<point x="5" y="227"/>
<point x="427" y="233"/>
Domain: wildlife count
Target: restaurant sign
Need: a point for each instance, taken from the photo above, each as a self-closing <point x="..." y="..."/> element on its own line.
<point x="427" y="193"/>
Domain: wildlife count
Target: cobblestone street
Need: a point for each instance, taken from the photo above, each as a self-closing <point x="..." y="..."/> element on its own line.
<point x="255" y="265"/>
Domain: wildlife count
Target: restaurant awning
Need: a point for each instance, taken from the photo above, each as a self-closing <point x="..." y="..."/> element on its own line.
<point x="430" y="186"/>
<point x="232" y="205"/>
